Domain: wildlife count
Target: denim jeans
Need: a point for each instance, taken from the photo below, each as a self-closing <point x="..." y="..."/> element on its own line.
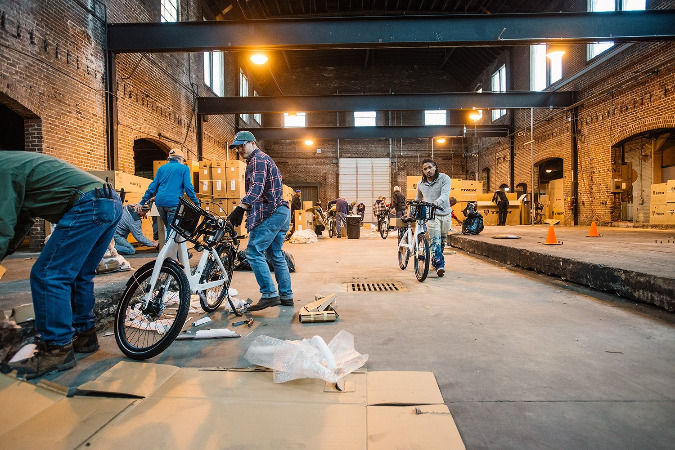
<point x="438" y="231"/>
<point x="62" y="278"/>
<point x="167" y="213"/>
<point x="123" y="246"/>
<point x="266" y="239"/>
<point x="341" y="221"/>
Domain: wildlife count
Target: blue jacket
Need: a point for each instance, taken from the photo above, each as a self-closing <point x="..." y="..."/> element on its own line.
<point x="171" y="182"/>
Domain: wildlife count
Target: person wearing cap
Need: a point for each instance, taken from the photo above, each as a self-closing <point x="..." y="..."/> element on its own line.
<point x="268" y="217"/>
<point x="130" y="222"/>
<point x="296" y="204"/>
<point x="62" y="278"/>
<point x="172" y="181"/>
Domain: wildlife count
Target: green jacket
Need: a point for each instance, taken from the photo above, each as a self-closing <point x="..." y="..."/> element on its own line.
<point x="34" y="185"/>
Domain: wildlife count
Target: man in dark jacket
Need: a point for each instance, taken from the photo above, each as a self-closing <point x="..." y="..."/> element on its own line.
<point x="62" y="279"/>
<point x="296" y="204"/>
<point x="398" y="202"/>
<point x="502" y="205"/>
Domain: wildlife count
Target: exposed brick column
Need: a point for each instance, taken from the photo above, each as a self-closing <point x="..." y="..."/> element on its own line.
<point x="33" y="139"/>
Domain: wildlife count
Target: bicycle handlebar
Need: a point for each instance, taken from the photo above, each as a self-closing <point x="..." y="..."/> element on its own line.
<point x="420" y="203"/>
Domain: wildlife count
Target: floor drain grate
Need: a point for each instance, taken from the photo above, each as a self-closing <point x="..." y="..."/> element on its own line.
<point x="382" y="286"/>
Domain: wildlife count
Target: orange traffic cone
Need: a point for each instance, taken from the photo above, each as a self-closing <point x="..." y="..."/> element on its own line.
<point x="550" y="237"/>
<point x="593" y="232"/>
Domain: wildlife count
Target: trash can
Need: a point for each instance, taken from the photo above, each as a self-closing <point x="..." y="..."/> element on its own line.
<point x="353" y="227"/>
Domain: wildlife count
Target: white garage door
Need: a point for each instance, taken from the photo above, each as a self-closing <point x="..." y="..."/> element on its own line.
<point x="363" y="180"/>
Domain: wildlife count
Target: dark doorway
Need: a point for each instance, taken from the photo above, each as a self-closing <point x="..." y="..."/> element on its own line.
<point x="551" y="169"/>
<point x="11" y="130"/>
<point x="145" y="152"/>
<point x="308" y="193"/>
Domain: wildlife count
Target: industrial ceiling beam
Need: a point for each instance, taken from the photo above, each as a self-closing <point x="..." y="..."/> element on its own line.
<point x="399" y="31"/>
<point x="384" y="102"/>
<point x="262" y="134"/>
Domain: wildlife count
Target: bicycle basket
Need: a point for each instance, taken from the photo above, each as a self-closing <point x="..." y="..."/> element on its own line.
<point x="196" y="225"/>
<point x="422" y="212"/>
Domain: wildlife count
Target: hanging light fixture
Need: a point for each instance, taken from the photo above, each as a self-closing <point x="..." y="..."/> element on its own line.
<point x="258" y="58"/>
<point x="555" y="51"/>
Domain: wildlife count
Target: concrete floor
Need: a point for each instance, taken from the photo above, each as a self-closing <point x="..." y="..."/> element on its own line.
<point x="522" y="360"/>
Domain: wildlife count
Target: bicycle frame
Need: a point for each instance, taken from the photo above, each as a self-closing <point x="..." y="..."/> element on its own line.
<point x="412" y="237"/>
<point x="170" y="248"/>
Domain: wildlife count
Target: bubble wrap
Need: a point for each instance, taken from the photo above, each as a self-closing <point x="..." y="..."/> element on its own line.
<point x="291" y="360"/>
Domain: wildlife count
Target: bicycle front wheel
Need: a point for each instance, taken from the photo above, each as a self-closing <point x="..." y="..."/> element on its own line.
<point x="331" y="229"/>
<point x="422" y="258"/>
<point x="403" y="250"/>
<point x="212" y="298"/>
<point x="384" y="228"/>
<point x="143" y="332"/>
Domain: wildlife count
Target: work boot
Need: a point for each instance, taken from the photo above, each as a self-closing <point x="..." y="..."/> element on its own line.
<point x="86" y="341"/>
<point x="286" y="302"/>
<point x="440" y="272"/>
<point x="265" y="303"/>
<point x="47" y="359"/>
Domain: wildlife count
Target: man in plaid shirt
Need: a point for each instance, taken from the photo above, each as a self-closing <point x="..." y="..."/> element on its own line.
<point x="267" y="221"/>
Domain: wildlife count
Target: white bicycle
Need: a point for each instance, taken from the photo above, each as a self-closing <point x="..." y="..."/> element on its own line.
<point x="416" y="243"/>
<point x="156" y="301"/>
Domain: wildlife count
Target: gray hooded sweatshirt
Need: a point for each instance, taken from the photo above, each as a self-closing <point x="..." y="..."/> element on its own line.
<point x="437" y="191"/>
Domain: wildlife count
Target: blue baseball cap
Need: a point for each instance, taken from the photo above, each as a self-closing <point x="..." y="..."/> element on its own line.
<point x="241" y="138"/>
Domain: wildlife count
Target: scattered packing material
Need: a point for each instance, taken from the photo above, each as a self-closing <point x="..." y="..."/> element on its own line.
<point x="308" y="358"/>
<point x="320" y="310"/>
<point x="215" y="333"/>
<point x="23" y="313"/>
<point x="24" y="352"/>
<point x="304" y="237"/>
<point x="143" y="405"/>
<point x="201" y="321"/>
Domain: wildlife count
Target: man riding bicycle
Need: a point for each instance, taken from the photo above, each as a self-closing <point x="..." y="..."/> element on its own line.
<point x="435" y="188"/>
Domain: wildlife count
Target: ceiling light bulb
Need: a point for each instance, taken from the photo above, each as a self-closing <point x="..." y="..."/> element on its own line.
<point x="440" y="140"/>
<point x="308" y="142"/>
<point x="259" y="58"/>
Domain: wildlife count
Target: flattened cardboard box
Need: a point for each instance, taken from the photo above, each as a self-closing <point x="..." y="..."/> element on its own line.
<point x="197" y="408"/>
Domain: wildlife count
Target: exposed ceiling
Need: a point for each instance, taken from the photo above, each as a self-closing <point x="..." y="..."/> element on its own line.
<point x="464" y="64"/>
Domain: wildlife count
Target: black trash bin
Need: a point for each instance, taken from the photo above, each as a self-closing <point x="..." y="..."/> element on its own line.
<point x="353" y="227"/>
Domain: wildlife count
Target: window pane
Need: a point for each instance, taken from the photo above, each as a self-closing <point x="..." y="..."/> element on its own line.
<point x="169" y="10"/>
<point x="207" y="68"/>
<point x="634" y="5"/>
<point x="218" y="76"/>
<point x="538" y="67"/>
<point x="499" y="85"/>
<point x="364" y="118"/>
<point x="257" y="116"/>
<point x="555" y="67"/>
<point x="293" y="120"/>
<point x="595" y="49"/>
<point x="602" y="5"/>
<point x="435" y="117"/>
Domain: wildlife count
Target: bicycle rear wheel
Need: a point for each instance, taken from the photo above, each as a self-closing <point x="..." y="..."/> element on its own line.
<point x="212" y="298"/>
<point x="142" y="333"/>
<point x="384" y="228"/>
<point x="403" y="251"/>
<point x="422" y="257"/>
<point x="331" y="228"/>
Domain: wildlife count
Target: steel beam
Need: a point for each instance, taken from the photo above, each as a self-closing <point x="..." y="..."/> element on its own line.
<point x="378" y="132"/>
<point x="399" y="31"/>
<point x="385" y="102"/>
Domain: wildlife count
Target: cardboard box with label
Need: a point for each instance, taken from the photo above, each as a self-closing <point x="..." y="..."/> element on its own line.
<point x="206" y="187"/>
<point x="218" y="170"/>
<point x="304" y="220"/>
<point x="219" y="189"/>
<point x="235" y="173"/>
<point x="122" y="180"/>
<point x="205" y="170"/>
<point x="144" y="405"/>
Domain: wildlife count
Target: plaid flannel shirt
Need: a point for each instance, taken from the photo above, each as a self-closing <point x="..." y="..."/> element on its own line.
<point x="264" y="190"/>
<point x="379" y="208"/>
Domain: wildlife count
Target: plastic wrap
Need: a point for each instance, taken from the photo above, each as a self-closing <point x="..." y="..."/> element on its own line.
<point x="308" y="358"/>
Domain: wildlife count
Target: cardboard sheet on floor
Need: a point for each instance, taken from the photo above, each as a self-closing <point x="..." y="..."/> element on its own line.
<point x="34" y="416"/>
<point x="217" y="408"/>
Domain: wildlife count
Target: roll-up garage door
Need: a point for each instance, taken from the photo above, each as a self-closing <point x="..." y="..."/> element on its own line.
<point x="363" y="180"/>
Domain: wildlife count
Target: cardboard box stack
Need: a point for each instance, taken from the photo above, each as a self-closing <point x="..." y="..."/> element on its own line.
<point x="221" y="187"/>
<point x="134" y="188"/>
<point x="490" y="211"/>
<point x="662" y="204"/>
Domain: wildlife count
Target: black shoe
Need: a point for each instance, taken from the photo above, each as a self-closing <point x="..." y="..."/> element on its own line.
<point x="86" y="341"/>
<point x="440" y="272"/>
<point x="286" y="302"/>
<point x="47" y="359"/>
<point x="265" y="303"/>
